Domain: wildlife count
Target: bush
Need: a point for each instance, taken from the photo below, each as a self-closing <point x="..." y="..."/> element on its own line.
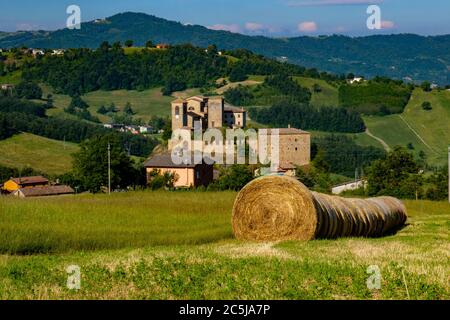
<point x="427" y="106"/>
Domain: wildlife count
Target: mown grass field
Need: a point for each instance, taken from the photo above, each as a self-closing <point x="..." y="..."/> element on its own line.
<point x="428" y="131"/>
<point x="45" y="155"/>
<point x="180" y="245"/>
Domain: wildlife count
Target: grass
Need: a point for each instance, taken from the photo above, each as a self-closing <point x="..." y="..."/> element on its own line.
<point x="145" y="103"/>
<point x="329" y="95"/>
<point x="161" y="245"/>
<point x="12" y="78"/>
<point x="361" y="139"/>
<point x="45" y="155"/>
<point x="433" y="126"/>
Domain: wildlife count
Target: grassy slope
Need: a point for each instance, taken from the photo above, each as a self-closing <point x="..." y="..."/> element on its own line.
<point x="196" y="257"/>
<point x="42" y="154"/>
<point x="433" y="126"/>
<point x="329" y="95"/>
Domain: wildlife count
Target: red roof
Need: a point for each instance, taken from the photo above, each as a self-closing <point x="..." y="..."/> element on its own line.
<point x="30" y="180"/>
<point x="46" y="191"/>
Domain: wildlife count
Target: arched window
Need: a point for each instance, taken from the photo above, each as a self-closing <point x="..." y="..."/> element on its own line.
<point x="177" y="111"/>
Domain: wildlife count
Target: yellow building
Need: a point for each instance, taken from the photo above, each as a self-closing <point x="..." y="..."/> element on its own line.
<point x="186" y="175"/>
<point x="15" y="184"/>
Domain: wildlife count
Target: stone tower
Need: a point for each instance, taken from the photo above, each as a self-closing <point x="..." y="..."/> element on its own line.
<point x="216" y="107"/>
<point x="179" y="114"/>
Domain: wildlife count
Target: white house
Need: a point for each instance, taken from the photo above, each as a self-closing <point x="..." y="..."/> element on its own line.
<point x="356" y="80"/>
<point x="349" y="186"/>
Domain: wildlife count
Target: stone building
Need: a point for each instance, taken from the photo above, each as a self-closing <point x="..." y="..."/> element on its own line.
<point x="295" y="148"/>
<point x="212" y="112"/>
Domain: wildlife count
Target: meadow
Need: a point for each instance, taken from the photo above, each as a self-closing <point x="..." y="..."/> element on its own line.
<point x="428" y="131"/>
<point x="26" y="150"/>
<point x="161" y="245"/>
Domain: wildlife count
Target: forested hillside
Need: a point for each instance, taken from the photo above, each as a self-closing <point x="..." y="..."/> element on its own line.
<point x="396" y="56"/>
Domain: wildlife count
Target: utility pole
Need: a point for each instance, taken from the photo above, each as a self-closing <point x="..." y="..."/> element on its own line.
<point x="109" y="168"/>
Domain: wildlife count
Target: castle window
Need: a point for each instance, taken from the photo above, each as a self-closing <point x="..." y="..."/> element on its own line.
<point x="177" y="112"/>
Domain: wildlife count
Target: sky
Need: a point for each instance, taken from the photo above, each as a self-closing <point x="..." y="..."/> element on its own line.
<point x="254" y="17"/>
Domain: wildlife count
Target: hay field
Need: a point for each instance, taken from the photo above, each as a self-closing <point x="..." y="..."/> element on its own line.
<point x="162" y="245"/>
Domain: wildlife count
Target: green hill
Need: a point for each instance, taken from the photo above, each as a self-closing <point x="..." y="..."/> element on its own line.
<point x="427" y="131"/>
<point x="420" y="58"/>
<point x="45" y="155"/>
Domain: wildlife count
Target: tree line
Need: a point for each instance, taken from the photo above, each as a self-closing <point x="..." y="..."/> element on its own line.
<point x="306" y="117"/>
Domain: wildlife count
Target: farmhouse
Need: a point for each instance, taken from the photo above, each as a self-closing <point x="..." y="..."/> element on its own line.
<point x="186" y="175"/>
<point x="44" y="191"/>
<point x="212" y="112"/>
<point x="14" y="184"/>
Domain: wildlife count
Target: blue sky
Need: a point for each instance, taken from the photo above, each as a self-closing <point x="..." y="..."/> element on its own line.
<point x="267" y="17"/>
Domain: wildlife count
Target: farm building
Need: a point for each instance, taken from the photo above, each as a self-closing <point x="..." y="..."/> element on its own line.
<point x="44" y="191"/>
<point x="186" y="175"/>
<point x="14" y="184"/>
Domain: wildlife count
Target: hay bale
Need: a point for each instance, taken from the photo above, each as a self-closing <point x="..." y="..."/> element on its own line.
<point x="281" y="208"/>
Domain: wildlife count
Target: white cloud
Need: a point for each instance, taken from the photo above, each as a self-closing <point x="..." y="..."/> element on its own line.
<point x="307" y="26"/>
<point x="385" y="24"/>
<point x="226" y="27"/>
<point x="254" y="27"/>
<point x="312" y="3"/>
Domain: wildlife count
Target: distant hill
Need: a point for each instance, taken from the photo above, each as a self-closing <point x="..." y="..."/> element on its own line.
<point x="401" y="56"/>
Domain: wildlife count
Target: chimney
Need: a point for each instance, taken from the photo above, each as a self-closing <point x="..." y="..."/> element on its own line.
<point x="289" y="126"/>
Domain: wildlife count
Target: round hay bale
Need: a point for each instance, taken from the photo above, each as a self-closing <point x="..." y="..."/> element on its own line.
<point x="277" y="208"/>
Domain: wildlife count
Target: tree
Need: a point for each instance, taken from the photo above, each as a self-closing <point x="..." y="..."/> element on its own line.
<point x="159" y="181"/>
<point x="28" y="90"/>
<point x="397" y="175"/>
<point x="149" y="44"/>
<point x="233" y="178"/>
<point x="102" y="110"/>
<point x="91" y="164"/>
<point x="78" y="103"/>
<point x="317" y="88"/>
<point x="426" y="86"/>
<point x="426" y="105"/>
<point x="129" y="43"/>
<point x="49" y="103"/>
<point x="350" y="76"/>
<point x="320" y="162"/>
<point x="237" y="74"/>
<point x="128" y="109"/>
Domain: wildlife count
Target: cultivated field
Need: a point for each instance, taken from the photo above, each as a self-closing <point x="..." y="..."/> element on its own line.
<point x="30" y="151"/>
<point x="179" y="245"/>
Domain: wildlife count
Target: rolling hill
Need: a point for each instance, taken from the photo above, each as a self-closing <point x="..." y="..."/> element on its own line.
<point x="396" y="56"/>
<point x="44" y="155"/>
<point x="427" y="131"/>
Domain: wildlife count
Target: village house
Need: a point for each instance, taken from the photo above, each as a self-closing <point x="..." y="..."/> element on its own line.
<point x="15" y="184"/>
<point x="211" y="112"/>
<point x="7" y="86"/>
<point x="45" y="191"/>
<point x="186" y="175"/>
<point x="37" y="186"/>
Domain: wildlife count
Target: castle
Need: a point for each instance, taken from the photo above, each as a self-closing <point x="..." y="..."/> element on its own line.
<point x="211" y="112"/>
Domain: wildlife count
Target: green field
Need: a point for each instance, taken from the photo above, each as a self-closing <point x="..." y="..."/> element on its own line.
<point x="145" y="103"/>
<point x="428" y="131"/>
<point x="329" y="97"/>
<point x="180" y="245"/>
<point x="45" y="155"/>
